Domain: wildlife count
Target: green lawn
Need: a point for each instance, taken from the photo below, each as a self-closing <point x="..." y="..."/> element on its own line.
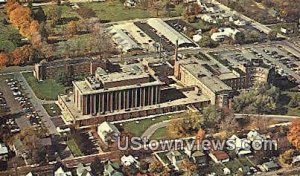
<point x="115" y="11"/>
<point x="161" y="133"/>
<point x="48" y="89"/>
<point x="74" y="148"/>
<point x="6" y="32"/>
<point x="137" y="129"/>
<point x="52" y="109"/>
<point x="66" y="11"/>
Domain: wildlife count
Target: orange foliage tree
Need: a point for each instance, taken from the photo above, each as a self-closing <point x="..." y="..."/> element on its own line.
<point x="20" y="17"/>
<point x="294" y="134"/>
<point x="4" y="59"/>
<point x="22" y="55"/>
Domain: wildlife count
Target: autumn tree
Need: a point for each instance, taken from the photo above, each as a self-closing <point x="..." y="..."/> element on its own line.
<point x="286" y="158"/>
<point x="22" y="55"/>
<point x="200" y="135"/>
<point x="4" y="59"/>
<point x="72" y="28"/>
<point x="188" y="167"/>
<point x="211" y="115"/>
<point x="294" y="133"/>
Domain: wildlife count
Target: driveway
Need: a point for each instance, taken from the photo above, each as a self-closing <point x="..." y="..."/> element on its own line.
<point x="151" y="130"/>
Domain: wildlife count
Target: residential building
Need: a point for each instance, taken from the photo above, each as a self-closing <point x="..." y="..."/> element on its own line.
<point x="112" y="169"/>
<point x="3" y="151"/>
<point x="108" y="132"/>
<point x="241" y="146"/>
<point x="223" y="33"/>
<point x="197" y="156"/>
<point x="60" y="172"/>
<point x="270" y="166"/>
<point x="82" y="170"/>
<point x="219" y="156"/>
<point x="129" y="161"/>
<point x="176" y="158"/>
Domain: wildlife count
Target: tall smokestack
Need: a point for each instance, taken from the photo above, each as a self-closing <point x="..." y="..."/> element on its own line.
<point x="176" y="51"/>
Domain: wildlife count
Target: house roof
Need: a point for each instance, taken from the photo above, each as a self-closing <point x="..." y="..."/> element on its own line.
<point x="220" y="155"/>
<point x="45" y="141"/>
<point x="3" y="149"/>
<point x="271" y="165"/>
<point x="128" y="160"/>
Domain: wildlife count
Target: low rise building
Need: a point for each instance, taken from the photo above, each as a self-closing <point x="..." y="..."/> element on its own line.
<point x="108" y="132"/>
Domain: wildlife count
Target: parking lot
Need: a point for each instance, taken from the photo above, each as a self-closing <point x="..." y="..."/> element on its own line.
<point x="17" y="103"/>
<point x="285" y="62"/>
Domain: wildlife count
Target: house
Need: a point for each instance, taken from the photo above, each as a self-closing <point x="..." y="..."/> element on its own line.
<point x="226" y="171"/>
<point x="176" y="158"/>
<point x="240" y="22"/>
<point x="224" y="32"/>
<point x="2" y="1"/>
<point x="219" y="156"/>
<point x="129" y="3"/>
<point x="30" y="174"/>
<point x="208" y="18"/>
<point x="197" y="38"/>
<point x="286" y="30"/>
<point x="83" y="170"/>
<point x="61" y="172"/>
<point x="269" y="166"/>
<point x="296" y="159"/>
<point x="197" y="156"/>
<point x="3" y="151"/>
<point x="253" y="135"/>
<point x="112" y="169"/>
<point x="242" y="146"/>
<point x="108" y="132"/>
<point x="129" y="161"/>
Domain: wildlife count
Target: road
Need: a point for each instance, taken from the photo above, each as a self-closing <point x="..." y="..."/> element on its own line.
<point x="37" y="104"/>
<point x="282" y="118"/>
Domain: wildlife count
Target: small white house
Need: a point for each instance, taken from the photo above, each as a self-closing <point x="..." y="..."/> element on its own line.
<point x="224" y="32"/>
<point x="226" y="171"/>
<point x="286" y="30"/>
<point x="83" y="170"/>
<point x="3" y="151"/>
<point x="129" y="161"/>
<point x="242" y="146"/>
<point x="208" y="18"/>
<point x="61" y="172"/>
<point x="108" y="132"/>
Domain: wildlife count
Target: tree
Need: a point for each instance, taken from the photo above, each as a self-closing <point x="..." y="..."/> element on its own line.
<point x="200" y="135"/>
<point x="294" y="133"/>
<point x="4" y="59"/>
<point x="22" y="55"/>
<point x="40" y="15"/>
<point x="34" y="27"/>
<point x="286" y="158"/>
<point x="272" y="35"/>
<point x="294" y="102"/>
<point x="239" y="37"/>
<point x="157" y="6"/>
<point x="97" y="167"/>
<point x="188" y="167"/>
<point x="156" y="167"/>
<point x="72" y="28"/>
<point x="211" y="115"/>
<point x="206" y="41"/>
<point x="185" y="126"/>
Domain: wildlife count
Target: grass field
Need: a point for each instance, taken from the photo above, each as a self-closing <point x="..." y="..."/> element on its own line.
<point x="66" y="11"/>
<point x="137" y="129"/>
<point x="115" y="11"/>
<point x="74" y="148"/>
<point x="48" y="89"/>
<point x="6" y="31"/>
<point x="52" y="109"/>
<point x="161" y="133"/>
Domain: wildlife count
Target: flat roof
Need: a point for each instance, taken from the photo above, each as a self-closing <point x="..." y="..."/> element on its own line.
<point x="169" y="32"/>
